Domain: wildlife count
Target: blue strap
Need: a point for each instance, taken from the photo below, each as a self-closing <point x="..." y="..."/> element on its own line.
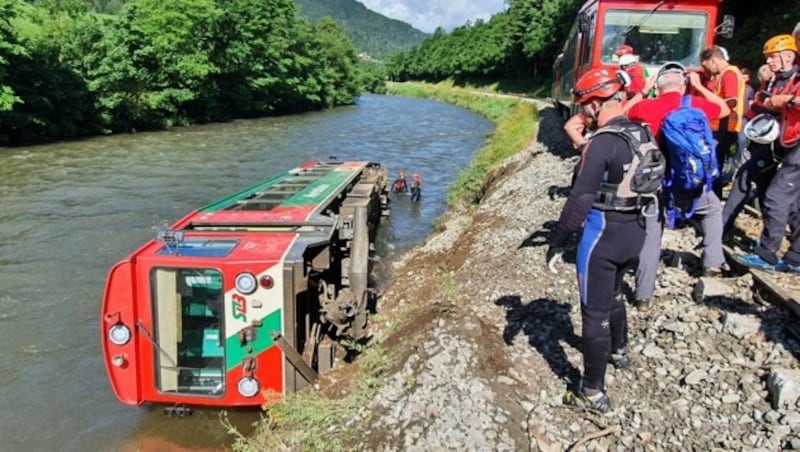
<point x="686" y="101"/>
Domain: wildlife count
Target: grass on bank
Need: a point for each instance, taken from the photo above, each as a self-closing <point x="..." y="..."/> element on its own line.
<point x="308" y="420"/>
<point x="516" y="124"/>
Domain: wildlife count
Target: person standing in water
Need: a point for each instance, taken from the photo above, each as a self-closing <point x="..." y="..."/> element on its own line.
<point x="416" y="187"/>
<point x="400" y="185"/>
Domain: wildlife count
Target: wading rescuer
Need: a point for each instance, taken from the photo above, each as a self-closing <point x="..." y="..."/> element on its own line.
<point x="400" y="185"/>
<point x="781" y="100"/>
<point x="602" y="196"/>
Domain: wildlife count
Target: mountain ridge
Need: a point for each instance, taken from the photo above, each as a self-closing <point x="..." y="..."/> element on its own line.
<point x="373" y="33"/>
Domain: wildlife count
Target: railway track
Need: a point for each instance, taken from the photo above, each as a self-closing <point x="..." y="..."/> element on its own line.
<point x="776" y="288"/>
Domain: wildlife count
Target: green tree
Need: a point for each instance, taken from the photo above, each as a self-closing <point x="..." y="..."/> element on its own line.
<point x="156" y="67"/>
<point x="254" y="50"/>
<point x="10" y="50"/>
<point x="337" y="57"/>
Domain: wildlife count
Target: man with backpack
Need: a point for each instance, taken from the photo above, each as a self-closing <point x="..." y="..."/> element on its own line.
<point x="618" y="176"/>
<point x="681" y="124"/>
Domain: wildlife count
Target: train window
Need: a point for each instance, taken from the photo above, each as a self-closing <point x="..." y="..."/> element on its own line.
<point x="656" y="37"/>
<point x="189" y="338"/>
<point x="198" y="248"/>
<point x="587" y="43"/>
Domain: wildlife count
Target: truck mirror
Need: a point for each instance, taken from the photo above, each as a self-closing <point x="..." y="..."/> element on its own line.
<point x="725" y="29"/>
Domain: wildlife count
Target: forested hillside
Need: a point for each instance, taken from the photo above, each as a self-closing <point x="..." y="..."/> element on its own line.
<point x="374" y="34"/>
<point x="517" y="43"/>
<point x="523" y="41"/>
<point x="67" y="71"/>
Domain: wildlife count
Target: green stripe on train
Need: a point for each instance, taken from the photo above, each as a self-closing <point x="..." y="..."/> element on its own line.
<point x="236" y="352"/>
<point x="320" y="189"/>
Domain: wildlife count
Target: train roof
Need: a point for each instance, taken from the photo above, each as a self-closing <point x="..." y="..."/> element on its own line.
<point x="289" y="199"/>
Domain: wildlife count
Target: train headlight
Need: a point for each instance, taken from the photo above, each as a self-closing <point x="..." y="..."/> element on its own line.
<point x="245" y="283"/>
<point x="248" y="387"/>
<point x="119" y="334"/>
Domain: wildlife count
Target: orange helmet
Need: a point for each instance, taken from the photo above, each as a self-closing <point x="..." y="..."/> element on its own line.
<point x="598" y="83"/>
<point x="624" y="49"/>
<point x="780" y="43"/>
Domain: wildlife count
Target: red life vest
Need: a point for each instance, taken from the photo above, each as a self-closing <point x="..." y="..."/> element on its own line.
<point x="790" y="119"/>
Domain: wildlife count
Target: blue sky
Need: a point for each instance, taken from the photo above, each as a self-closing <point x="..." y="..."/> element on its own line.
<point x="426" y="15"/>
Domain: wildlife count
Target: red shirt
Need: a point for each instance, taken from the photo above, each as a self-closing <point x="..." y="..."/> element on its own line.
<point x="729" y="86"/>
<point x="653" y="111"/>
<point x="636" y="72"/>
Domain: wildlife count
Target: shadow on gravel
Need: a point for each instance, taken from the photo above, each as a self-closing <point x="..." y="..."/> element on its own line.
<point x="546" y="323"/>
<point x="539" y="239"/>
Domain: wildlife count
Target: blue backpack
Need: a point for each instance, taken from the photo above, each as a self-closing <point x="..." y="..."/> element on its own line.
<point x="686" y="135"/>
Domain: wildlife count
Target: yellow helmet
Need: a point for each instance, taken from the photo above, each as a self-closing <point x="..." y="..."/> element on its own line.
<point x="779" y="43"/>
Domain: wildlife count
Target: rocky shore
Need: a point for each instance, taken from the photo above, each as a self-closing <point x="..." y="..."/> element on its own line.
<point x="489" y="338"/>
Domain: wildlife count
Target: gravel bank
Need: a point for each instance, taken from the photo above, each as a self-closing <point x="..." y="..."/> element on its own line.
<point x="491" y="336"/>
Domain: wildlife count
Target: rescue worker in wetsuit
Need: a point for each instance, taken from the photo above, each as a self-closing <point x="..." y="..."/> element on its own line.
<point x="782" y="99"/>
<point x="400" y="185"/>
<point x="416" y="187"/>
<point x="611" y="238"/>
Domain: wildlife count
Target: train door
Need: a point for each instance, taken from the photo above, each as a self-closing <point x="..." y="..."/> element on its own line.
<point x="188" y="336"/>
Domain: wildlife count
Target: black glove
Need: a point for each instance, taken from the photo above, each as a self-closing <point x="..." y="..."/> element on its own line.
<point x="554" y="257"/>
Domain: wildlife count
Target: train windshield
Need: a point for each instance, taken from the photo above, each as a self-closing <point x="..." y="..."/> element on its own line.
<point x="189" y="338"/>
<point x="656" y="37"/>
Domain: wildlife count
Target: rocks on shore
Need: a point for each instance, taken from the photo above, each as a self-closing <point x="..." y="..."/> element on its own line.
<point x="712" y="369"/>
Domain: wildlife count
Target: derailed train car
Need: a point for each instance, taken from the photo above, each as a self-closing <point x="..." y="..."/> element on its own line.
<point x="246" y="296"/>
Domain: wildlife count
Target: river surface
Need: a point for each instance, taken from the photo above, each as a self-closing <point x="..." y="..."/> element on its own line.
<point x="68" y="211"/>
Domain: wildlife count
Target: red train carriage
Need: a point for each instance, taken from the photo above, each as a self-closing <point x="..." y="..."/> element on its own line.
<point x="658" y="31"/>
<point x="246" y="295"/>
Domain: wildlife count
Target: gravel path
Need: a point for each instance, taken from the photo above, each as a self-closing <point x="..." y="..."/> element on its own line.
<point x="492" y="337"/>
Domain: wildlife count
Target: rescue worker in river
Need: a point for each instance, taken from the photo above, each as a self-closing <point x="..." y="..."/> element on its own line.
<point x="611" y="237"/>
<point x="400" y="184"/>
<point x="416" y="187"/>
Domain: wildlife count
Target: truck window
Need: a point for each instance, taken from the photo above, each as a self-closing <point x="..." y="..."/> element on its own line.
<point x="656" y="38"/>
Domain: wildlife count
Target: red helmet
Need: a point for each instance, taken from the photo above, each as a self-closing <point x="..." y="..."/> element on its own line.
<point x="624" y="49"/>
<point x="598" y="83"/>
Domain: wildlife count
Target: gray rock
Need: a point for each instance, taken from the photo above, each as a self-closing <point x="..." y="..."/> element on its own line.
<point x="740" y="326"/>
<point x="711" y="287"/>
<point x="653" y="351"/>
<point x="695" y="377"/>
<point x="784" y="388"/>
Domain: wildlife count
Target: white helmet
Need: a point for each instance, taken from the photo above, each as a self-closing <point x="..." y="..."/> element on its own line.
<point x="763" y="129"/>
<point x="627" y="59"/>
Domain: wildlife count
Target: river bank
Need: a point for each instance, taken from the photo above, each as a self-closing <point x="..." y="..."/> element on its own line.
<point x="475" y="340"/>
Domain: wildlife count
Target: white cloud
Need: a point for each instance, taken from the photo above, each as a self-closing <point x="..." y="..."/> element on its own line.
<point x="427" y="15"/>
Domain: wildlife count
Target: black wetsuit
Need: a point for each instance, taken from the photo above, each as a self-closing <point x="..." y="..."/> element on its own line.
<point x="610" y="244"/>
<point x="416" y="191"/>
